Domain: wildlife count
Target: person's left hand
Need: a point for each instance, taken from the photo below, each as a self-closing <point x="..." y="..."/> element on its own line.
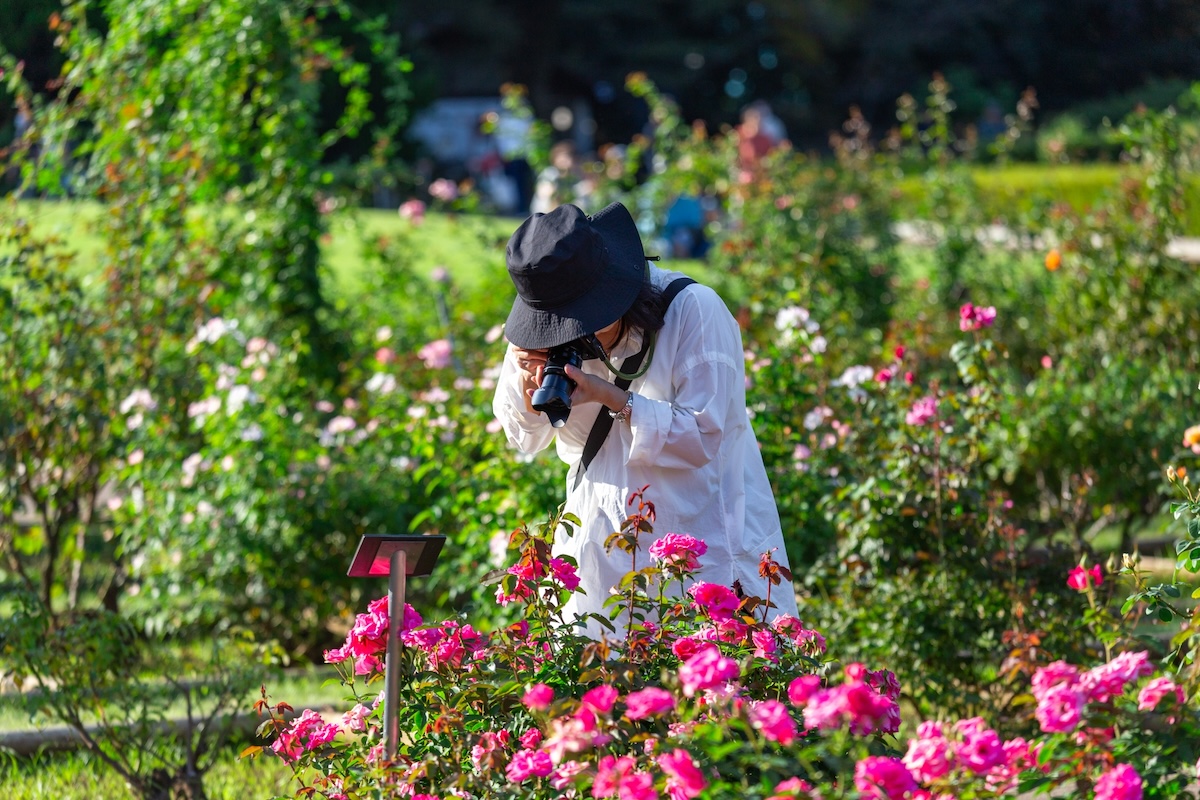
<point x="594" y="389"/>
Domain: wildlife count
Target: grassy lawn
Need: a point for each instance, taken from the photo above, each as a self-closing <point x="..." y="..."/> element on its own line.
<point x="1019" y="186"/>
<point x="303" y="687"/>
<point x="466" y="245"/>
<point x="77" y="776"/>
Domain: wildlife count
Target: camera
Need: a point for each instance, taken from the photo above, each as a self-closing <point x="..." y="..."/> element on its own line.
<point x="553" y="396"/>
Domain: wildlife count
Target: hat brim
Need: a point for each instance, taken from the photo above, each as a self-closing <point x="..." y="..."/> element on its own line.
<point x="613" y="294"/>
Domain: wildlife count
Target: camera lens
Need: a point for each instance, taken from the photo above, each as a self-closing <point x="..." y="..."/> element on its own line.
<point x="553" y="397"/>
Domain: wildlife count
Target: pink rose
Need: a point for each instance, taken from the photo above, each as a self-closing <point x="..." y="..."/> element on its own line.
<point x="528" y="764"/>
<point x="1154" y="691"/>
<point x="1080" y="579"/>
<point x="1059" y="709"/>
<point x="687" y="646"/>
<point x="610" y="770"/>
<point x="883" y="778"/>
<point x="922" y="411"/>
<point x="980" y="750"/>
<point x="973" y="318"/>
<point x="636" y="786"/>
<point x="679" y="550"/>
<point x="771" y="717"/>
<point x="718" y="602"/>
<point x="601" y="699"/>
<point x="705" y="670"/>
<point x="538" y="697"/>
<point x="564" y="572"/>
<point x="684" y="779"/>
<point x="1120" y="783"/>
<point x="802" y="688"/>
<point x="648" y="702"/>
<point x="436" y="354"/>
<point x="413" y="210"/>
<point x="793" y="787"/>
<point x="1056" y="674"/>
<point x="929" y="759"/>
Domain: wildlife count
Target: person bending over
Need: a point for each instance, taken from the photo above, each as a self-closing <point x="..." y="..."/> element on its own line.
<point x="680" y="427"/>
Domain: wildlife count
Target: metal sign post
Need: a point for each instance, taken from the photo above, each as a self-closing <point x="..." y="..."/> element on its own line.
<point x="397" y="556"/>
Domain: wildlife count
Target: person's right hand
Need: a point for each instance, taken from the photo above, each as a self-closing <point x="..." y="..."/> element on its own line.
<point x="531" y="365"/>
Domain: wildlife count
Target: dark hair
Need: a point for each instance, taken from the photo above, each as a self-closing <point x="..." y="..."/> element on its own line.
<point x="647" y="313"/>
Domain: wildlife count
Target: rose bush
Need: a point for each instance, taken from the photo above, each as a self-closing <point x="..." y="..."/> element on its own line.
<point x="700" y="693"/>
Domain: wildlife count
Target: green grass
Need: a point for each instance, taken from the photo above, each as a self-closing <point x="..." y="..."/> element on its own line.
<point x="466" y="245"/>
<point x="78" y="776"/>
<point x="301" y="688"/>
<point x="1017" y="187"/>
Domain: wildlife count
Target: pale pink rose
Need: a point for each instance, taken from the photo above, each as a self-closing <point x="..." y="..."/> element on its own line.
<point x="444" y="190"/>
<point x="436" y="354"/>
<point x="413" y="210"/>
<point x="684" y="779"/>
<point x="922" y="411"/>
<point x="1122" y="782"/>
<point x="490" y="742"/>
<point x="356" y="718"/>
<point x="564" y="775"/>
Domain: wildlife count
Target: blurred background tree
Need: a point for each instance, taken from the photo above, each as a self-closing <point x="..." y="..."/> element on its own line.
<point x="811" y="59"/>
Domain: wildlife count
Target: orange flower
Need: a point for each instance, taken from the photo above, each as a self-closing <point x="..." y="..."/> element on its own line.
<point x="1053" y="259"/>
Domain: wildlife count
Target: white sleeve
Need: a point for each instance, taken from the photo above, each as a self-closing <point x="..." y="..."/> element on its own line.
<point x="528" y="431"/>
<point x="707" y="377"/>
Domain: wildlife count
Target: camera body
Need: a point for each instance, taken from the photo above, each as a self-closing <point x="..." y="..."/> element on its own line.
<point x="553" y="396"/>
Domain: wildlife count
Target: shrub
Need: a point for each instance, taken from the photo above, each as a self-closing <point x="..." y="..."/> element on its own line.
<point x="697" y="695"/>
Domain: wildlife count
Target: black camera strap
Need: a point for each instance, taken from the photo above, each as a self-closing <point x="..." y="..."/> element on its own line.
<point x="629" y="366"/>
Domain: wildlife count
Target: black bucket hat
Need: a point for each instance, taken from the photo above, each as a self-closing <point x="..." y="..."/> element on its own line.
<point x="574" y="274"/>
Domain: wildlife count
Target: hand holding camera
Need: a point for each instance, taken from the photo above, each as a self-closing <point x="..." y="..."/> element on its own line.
<point x="554" y="381"/>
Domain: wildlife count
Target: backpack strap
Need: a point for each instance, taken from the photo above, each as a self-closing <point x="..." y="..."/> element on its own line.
<point x="629" y="366"/>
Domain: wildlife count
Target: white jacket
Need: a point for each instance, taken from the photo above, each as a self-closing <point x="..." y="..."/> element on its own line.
<point x="690" y="440"/>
